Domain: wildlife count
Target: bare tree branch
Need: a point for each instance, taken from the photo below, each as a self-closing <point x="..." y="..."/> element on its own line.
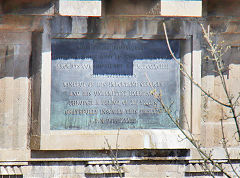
<point x="214" y="50"/>
<point x="216" y="54"/>
<point x="224" y="143"/>
<point x="114" y="157"/>
<point x="191" y="139"/>
<point x="183" y="70"/>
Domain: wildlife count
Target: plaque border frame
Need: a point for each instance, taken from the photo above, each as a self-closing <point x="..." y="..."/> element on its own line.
<point x="42" y="138"/>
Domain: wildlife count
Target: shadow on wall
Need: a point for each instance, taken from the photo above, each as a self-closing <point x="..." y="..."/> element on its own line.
<point x="15" y="53"/>
<point x="105" y="153"/>
<point x="230" y="58"/>
<point x="25" y="6"/>
<point x="132" y="7"/>
<point x="14" y="61"/>
<point x="6" y="61"/>
<point x="137" y="27"/>
<point x="223" y="8"/>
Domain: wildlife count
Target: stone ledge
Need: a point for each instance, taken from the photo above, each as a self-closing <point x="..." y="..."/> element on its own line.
<point x="14" y="155"/>
<point x="128" y="139"/>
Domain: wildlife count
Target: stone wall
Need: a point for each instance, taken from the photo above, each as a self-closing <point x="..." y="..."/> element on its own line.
<point x="226" y="33"/>
<point x="20" y="78"/>
<point x="15" y="94"/>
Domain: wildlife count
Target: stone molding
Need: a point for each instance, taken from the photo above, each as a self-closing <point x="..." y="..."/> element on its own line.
<point x="136" y="139"/>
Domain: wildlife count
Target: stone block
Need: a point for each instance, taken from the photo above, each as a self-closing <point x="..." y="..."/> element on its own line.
<point x="55" y="170"/>
<point x="26" y="170"/>
<point x="18" y="23"/>
<point x="211" y="134"/>
<point x="130" y="8"/>
<point x="154" y="174"/>
<point x="135" y="139"/>
<point x="63" y="26"/>
<point x="22" y="71"/>
<point x="196" y="167"/>
<point x="7" y="83"/>
<point x="145" y="168"/>
<point x="80" y="169"/>
<point x="229" y="168"/>
<point x="131" y="170"/>
<point x="6" y="100"/>
<point x="80" y="8"/>
<point x="230" y="133"/>
<point x="10" y="170"/>
<point x="16" y="38"/>
<point x="14" y="155"/>
<point x="181" y="8"/>
<point x="17" y="170"/>
<point x="28" y="7"/>
<point x="3" y="170"/>
<point x="21" y="83"/>
<point x="79" y="25"/>
<point x="168" y="168"/>
<point x="40" y="169"/>
<point x="67" y="169"/>
<point x="109" y="27"/>
<point x="69" y="176"/>
<point x="151" y="28"/>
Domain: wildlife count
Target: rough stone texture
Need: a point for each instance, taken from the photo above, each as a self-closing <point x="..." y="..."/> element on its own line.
<point x="18" y="23"/>
<point x="108" y="27"/>
<point x="20" y="39"/>
<point x="54" y="169"/>
<point x="223" y="8"/>
<point x="73" y="169"/>
<point x="80" y="8"/>
<point x="14" y="94"/>
<point x="226" y="33"/>
<point x="32" y="7"/>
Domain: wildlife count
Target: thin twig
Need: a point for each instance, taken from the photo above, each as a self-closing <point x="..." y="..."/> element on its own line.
<point x="202" y="153"/>
<point x="236" y="101"/>
<point x="224" y="143"/>
<point x="183" y="70"/>
<point x="219" y="64"/>
<point x="114" y="157"/>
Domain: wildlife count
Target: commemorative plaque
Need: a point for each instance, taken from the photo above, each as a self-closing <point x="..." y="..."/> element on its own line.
<point x="101" y="84"/>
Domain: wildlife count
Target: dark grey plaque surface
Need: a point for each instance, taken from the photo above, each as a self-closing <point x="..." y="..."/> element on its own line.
<point x="101" y="84"/>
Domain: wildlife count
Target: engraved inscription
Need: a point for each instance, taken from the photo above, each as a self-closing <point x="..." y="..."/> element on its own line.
<point x="102" y="84"/>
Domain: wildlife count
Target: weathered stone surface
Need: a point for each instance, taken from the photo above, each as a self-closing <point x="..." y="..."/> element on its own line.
<point x="215" y="129"/>
<point x="14" y="94"/>
<point x="17" y="40"/>
<point x="29" y="7"/>
<point x="154" y="8"/>
<point x="18" y="23"/>
<point x="152" y="170"/>
<point x="79" y="8"/>
<point x="223" y="8"/>
<point x="181" y="8"/>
